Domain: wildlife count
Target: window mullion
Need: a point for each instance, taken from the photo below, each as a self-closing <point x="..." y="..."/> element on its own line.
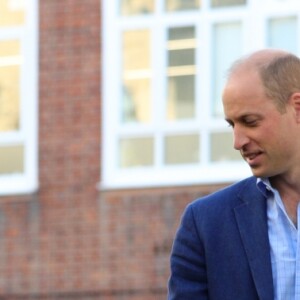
<point x="158" y="87"/>
<point x="204" y="87"/>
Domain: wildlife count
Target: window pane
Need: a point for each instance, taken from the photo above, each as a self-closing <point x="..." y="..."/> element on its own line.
<point x="10" y="60"/>
<point x="181" y="73"/>
<point x="182" y="149"/>
<point x="282" y="33"/>
<point x="176" y="5"/>
<point x="181" y="104"/>
<point x="11" y="159"/>
<point x="136" y="101"/>
<point x="12" y="12"/>
<point x="227" y="47"/>
<point x="221" y="3"/>
<point x="136" y="50"/>
<point x="181" y="57"/>
<point x="136" y="93"/>
<point x="222" y="147"/>
<point x="136" y="152"/>
<point x="136" y="7"/>
<point x="178" y="34"/>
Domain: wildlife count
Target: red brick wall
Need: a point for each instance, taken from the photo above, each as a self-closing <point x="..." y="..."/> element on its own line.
<point x="70" y="240"/>
<point x="137" y="228"/>
<point x="69" y="145"/>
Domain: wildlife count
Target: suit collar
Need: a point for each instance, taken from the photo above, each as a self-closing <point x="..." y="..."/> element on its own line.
<point x="252" y="223"/>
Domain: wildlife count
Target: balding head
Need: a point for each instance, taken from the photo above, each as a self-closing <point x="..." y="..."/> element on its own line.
<point x="278" y="70"/>
<point x="256" y="61"/>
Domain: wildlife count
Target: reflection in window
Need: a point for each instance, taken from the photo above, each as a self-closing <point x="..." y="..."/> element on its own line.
<point x="136" y="152"/>
<point x="181" y="73"/>
<point x="136" y="93"/>
<point x="136" y="7"/>
<point x="136" y="101"/>
<point x="182" y="149"/>
<point x="11" y="159"/>
<point x="278" y="37"/>
<point x="181" y="95"/>
<point x="177" y="5"/>
<point x="221" y="3"/>
<point x="222" y="147"/>
<point x="226" y="48"/>
<point x="12" y="12"/>
<point x="10" y="60"/>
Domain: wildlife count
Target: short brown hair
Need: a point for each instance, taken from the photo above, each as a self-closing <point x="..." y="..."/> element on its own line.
<point x="281" y="78"/>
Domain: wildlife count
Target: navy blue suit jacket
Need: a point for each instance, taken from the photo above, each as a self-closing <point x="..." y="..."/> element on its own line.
<point x="221" y="250"/>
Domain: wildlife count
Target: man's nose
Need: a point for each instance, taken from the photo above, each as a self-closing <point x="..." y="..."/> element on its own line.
<point x="240" y="139"/>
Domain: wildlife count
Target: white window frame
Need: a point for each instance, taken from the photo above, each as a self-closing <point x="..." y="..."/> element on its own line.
<point x="253" y="17"/>
<point x="27" y="181"/>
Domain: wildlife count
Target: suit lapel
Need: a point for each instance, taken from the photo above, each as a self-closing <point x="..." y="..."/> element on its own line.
<point x="252" y="223"/>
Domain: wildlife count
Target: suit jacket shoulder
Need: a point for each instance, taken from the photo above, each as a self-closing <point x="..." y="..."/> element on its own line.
<point x="221" y="250"/>
<point x="229" y="196"/>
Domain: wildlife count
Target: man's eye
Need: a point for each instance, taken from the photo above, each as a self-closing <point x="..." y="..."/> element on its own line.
<point x="251" y="122"/>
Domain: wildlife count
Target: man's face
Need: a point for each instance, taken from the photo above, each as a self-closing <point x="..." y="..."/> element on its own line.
<point x="264" y="136"/>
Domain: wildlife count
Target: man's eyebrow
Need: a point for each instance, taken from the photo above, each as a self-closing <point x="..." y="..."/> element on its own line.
<point x="246" y="115"/>
<point x="250" y="115"/>
<point x="243" y="117"/>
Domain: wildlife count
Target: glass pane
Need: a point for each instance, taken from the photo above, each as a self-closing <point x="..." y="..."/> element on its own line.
<point x="136" y="50"/>
<point x="227" y="47"/>
<point x="136" y="152"/>
<point x="221" y="3"/>
<point x="177" y="5"/>
<point x="136" y="101"/>
<point x="222" y="147"/>
<point x="182" y="149"/>
<point x="11" y="159"/>
<point x="181" y="57"/>
<point x="181" y="33"/>
<point x="136" y="93"/>
<point x="10" y="60"/>
<point x="181" y="73"/>
<point x="282" y="33"/>
<point x="12" y="12"/>
<point x="181" y="98"/>
<point x="136" y="7"/>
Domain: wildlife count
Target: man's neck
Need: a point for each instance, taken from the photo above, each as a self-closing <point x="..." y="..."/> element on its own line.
<point x="289" y="192"/>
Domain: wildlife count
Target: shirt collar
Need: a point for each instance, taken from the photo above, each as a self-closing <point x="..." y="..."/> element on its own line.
<point x="264" y="186"/>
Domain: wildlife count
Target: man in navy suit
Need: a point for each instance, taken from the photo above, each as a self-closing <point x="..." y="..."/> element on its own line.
<point x="241" y="243"/>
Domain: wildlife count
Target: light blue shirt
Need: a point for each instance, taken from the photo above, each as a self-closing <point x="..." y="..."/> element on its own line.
<point x="284" y="244"/>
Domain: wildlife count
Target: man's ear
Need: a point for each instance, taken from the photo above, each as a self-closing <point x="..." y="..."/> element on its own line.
<point x="295" y="102"/>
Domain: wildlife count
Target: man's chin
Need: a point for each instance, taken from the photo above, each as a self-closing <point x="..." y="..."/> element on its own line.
<point x="258" y="172"/>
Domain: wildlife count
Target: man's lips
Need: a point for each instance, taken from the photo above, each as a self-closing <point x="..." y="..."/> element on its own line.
<point x="251" y="157"/>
